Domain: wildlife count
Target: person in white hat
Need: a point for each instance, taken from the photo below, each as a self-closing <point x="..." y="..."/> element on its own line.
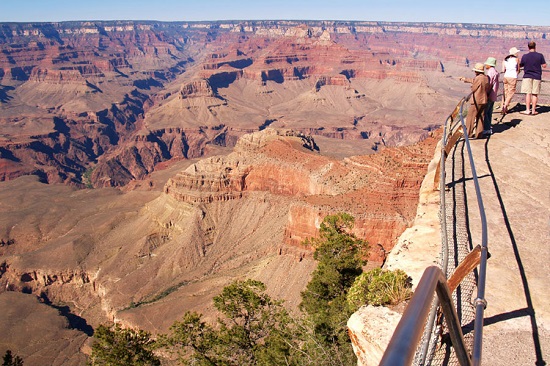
<point x="492" y="74"/>
<point x="480" y="88"/>
<point x="510" y="68"/>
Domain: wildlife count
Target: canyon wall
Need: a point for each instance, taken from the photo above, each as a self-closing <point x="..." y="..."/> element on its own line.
<point x="88" y="103"/>
<point x="321" y="117"/>
<point x="111" y="254"/>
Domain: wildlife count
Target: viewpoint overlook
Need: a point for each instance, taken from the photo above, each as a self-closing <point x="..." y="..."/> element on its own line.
<point x="146" y="165"/>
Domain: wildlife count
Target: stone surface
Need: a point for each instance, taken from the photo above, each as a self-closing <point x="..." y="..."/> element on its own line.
<point x="370" y="329"/>
<point x="419" y="246"/>
<point x="513" y="166"/>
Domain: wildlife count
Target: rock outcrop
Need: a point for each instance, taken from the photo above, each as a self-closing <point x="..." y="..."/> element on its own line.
<point x="323" y="117"/>
<point x="379" y="190"/>
<point x="240" y="215"/>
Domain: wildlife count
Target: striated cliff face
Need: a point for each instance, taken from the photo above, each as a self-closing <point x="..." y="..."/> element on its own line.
<point x="418" y="247"/>
<point x="379" y="190"/>
<point x="87" y="103"/>
<point x="322" y="117"/>
<point x="136" y="255"/>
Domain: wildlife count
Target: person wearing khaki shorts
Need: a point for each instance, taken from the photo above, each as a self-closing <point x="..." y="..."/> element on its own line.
<point x="532" y="63"/>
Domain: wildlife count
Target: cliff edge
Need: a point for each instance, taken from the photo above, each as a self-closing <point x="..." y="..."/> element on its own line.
<point x="512" y="166"/>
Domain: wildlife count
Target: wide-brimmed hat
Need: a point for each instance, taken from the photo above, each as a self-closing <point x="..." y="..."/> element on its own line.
<point x="491" y="61"/>
<point x="513" y="51"/>
<point x="479" y="67"/>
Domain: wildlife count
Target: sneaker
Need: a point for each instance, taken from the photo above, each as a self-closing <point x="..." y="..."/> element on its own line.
<point x="487" y="132"/>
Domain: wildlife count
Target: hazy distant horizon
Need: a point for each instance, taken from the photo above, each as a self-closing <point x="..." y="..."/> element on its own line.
<point x="500" y="12"/>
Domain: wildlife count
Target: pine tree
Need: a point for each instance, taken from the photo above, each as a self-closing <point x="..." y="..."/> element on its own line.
<point x="10" y="360"/>
<point x="253" y="323"/>
<point x="254" y="330"/>
<point x="340" y="255"/>
<point x="115" y="346"/>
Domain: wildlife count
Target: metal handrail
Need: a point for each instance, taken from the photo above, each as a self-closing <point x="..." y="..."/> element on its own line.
<point x="404" y="342"/>
<point x="412" y="322"/>
<point x="450" y="125"/>
<point x="480" y="301"/>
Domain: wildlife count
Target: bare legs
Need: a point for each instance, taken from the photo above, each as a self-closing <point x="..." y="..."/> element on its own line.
<point x="531" y="103"/>
<point x="534" y="99"/>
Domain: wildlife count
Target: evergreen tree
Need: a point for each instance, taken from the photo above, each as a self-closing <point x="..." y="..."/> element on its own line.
<point x="115" y="346"/>
<point x="340" y="255"/>
<point x="10" y="360"/>
<point x="254" y="330"/>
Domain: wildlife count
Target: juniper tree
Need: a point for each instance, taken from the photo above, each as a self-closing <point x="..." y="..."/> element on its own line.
<point x="254" y="329"/>
<point x="10" y="360"/>
<point x="341" y="256"/>
<point x="115" y="346"/>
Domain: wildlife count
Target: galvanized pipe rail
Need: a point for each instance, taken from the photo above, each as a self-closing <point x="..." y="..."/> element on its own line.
<point x="480" y="302"/>
<point x="404" y="342"/>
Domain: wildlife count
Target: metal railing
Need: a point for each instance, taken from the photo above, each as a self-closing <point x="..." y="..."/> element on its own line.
<point x="404" y="342"/>
<point x="403" y="345"/>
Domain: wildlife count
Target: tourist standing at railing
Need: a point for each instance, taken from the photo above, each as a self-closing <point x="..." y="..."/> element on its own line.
<point x="480" y="90"/>
<point x="492" y="74"/>
<point x="532" y="63"/>
<point x="510" y="68"/>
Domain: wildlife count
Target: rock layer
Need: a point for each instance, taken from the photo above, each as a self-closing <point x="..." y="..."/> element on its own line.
<point x="76" y="96"/>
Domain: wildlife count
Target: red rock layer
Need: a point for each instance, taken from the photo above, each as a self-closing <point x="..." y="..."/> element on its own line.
<point x="98" y="80"/>
<point x="380" y="191"/>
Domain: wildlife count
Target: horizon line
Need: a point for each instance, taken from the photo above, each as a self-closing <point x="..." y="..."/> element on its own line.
<point x="271" y="20"/>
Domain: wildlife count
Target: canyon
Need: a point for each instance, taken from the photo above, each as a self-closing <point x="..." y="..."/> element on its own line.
<point x="145" y="165"/>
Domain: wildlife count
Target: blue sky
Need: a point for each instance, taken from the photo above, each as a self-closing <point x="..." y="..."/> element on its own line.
<point x="534" y="12"/>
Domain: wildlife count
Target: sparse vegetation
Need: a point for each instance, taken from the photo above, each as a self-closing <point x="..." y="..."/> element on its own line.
<point x="115" y="346"/>
<point x="379" y="287"/>
<point x="86" y="178"/>
<point x="157" y="297"/>
<point x="253" y="328"/>
<point x="10" y="360"/>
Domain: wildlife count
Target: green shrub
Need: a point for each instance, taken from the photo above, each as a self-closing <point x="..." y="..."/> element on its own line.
<point x="11" y="360"/>
<point x="254" y="330"/>
<point x="115" y="346"/>
<point x="379" y="287"/>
